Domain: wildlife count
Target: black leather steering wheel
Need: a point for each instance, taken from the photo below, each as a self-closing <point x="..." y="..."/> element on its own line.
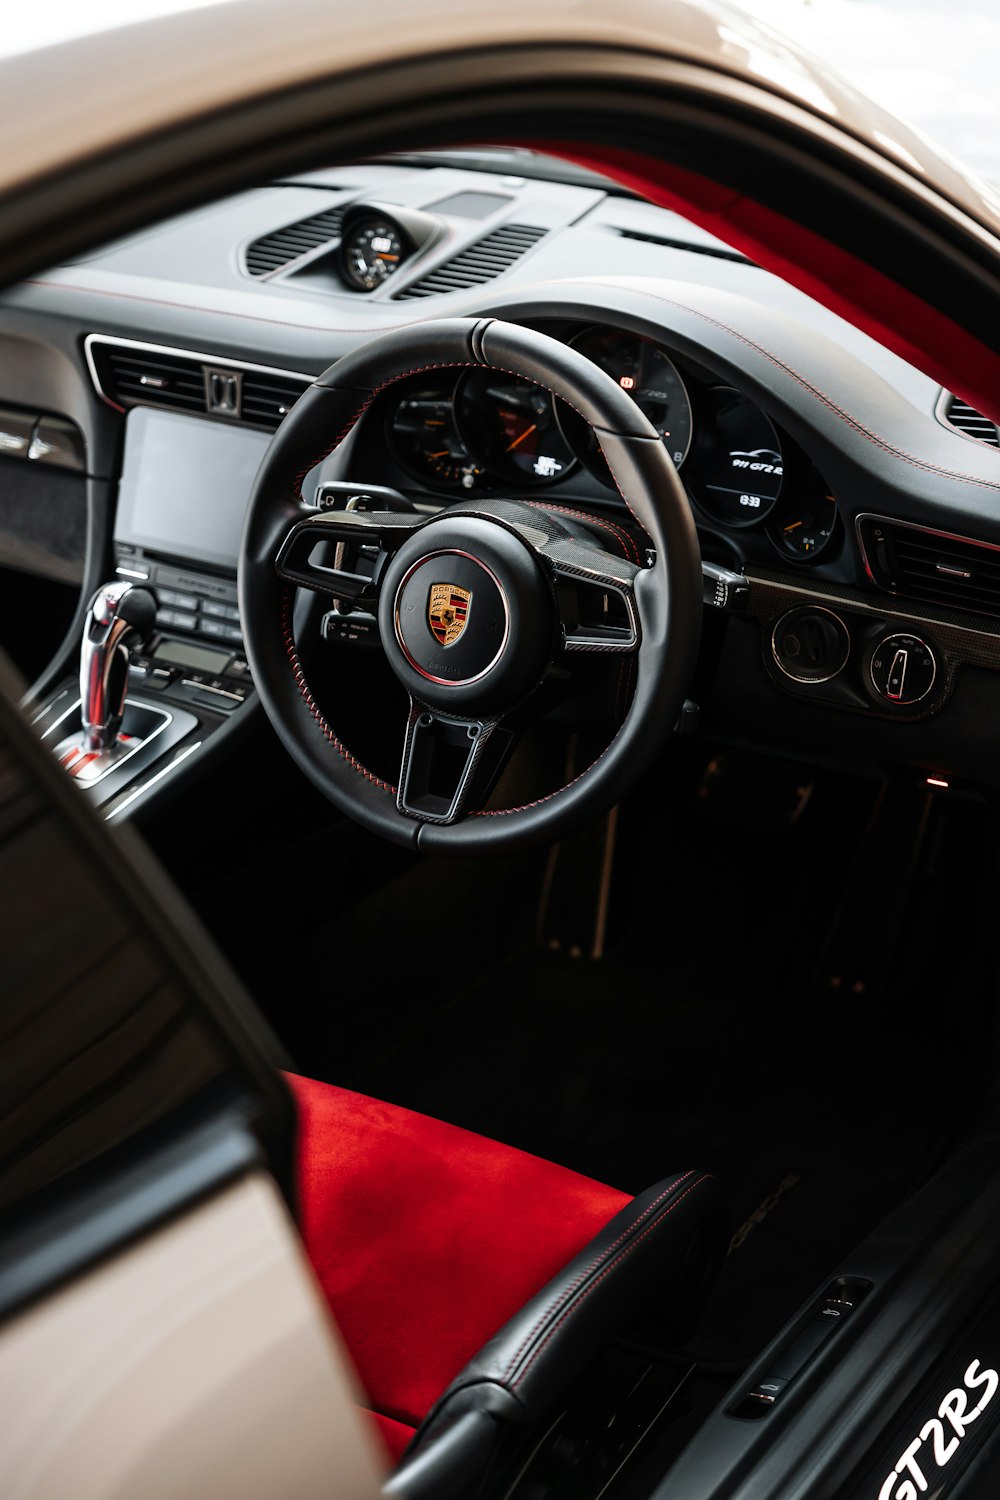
<point x="475" y="604"/>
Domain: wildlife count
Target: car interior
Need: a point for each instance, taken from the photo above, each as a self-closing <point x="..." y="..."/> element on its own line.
<point x="555" y="659"/>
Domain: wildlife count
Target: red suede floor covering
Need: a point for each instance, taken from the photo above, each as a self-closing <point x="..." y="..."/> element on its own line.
<point x="426" y="1238"/>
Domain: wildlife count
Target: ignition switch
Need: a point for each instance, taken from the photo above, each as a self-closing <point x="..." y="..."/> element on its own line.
<point x="810" y="644"/>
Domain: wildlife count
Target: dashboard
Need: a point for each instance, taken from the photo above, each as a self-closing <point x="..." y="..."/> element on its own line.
<point x="480" y="434"/>
<point x="859" y="502"/>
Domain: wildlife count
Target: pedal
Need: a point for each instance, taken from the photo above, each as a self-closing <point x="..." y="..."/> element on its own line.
<point x="857" y="957"/>
<point x="754" y="792"/>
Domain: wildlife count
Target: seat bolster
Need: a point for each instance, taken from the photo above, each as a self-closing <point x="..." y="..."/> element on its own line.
<point x="659" y="1256"/>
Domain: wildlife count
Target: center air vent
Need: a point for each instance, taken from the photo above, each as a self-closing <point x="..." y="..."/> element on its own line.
<point x="128" y="374"/>
<point x="489" y="257"/>
<point x="927" y="564"/>
<point x="960" y="415"/>
<point x="274" y="251"/>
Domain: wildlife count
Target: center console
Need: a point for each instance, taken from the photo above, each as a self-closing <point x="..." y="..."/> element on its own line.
<point x="183" y="494"/>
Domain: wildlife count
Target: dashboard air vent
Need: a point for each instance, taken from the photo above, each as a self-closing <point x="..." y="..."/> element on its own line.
<point x="132" y="374"/>
<point x="273" y="251"/>
<point x="267" y="399"/>
<point x="495" y="253"/>
<point x="958" y="413"/>
<point x="926" y="564"/>
<point x="148" y="377"/>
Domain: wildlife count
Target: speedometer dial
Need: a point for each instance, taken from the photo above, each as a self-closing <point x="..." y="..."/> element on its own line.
<point x="649" y="376"/>
<point x="510" y="425"/>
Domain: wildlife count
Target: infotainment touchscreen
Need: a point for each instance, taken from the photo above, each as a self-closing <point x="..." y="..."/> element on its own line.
<point x="185" y="485"/>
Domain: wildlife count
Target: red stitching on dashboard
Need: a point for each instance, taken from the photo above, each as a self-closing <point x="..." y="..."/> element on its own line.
<point x="311" y="704"/>
<point x="852" y="422"/>
<point x="100" y="291"/>
<point x="827" y="401"/>
<point x="604" y="1274"/>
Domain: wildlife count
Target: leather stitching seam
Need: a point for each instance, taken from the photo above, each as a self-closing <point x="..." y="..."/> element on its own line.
<point x="312" y="705"/>
<point x="604" y="1274"/>
<point x="853" y="422"/>
<point x="594" y="1265"/>
<point x="296" y="666"/>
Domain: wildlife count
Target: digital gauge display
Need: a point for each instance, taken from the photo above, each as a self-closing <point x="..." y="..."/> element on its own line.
<point x="511" y="427"/>
<point x="649" y="376"/>
<point x="737" y="466"/>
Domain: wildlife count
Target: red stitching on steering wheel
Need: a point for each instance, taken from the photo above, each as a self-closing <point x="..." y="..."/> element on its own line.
<point x="312" y="705"/>
<point x="448" y="365"/>
<point x="619" y="533"/>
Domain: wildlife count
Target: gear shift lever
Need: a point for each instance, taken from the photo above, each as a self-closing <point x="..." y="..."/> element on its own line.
<point x="119" y="617"/>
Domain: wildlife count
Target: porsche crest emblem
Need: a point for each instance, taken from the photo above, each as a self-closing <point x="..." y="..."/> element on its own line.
<point x="448" y="612"/>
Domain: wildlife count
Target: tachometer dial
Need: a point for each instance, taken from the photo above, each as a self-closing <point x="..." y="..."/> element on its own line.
<point x="371" y="251"/>
<point x="805" y="521"/>
<point x="510" y="425"/>
<point x="425" y="439"/>
<point x="649" y="376"/>
<point x="736" y="466"/>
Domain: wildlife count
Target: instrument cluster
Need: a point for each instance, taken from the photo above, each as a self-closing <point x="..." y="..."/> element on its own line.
<point x="483" y="431"/>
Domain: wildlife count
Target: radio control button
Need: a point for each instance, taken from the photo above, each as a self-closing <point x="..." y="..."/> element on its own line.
<point x="179" y="601"/>
<point x="220" y="611"/>
<point x="178" y="619"/>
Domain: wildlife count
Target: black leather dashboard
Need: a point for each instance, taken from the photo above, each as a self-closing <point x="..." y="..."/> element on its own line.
<point x="909" y="558"/>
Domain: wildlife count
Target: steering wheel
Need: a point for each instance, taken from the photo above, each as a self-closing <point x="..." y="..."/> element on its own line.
<point x="476" y="605"/>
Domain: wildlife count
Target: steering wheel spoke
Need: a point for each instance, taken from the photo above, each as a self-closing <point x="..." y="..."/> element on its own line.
<point x="477" y="605"/>
<point x="344" y="553"/>
<point x="449" y="764"/>
<point x="595" y="591"/>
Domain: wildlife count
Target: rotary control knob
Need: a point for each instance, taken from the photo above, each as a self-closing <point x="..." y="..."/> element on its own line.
<point x="903" y="669"/>
<point x="810" y="644"/>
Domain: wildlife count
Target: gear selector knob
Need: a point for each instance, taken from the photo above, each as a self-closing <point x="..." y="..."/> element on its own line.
<point x="120" y="617"/>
